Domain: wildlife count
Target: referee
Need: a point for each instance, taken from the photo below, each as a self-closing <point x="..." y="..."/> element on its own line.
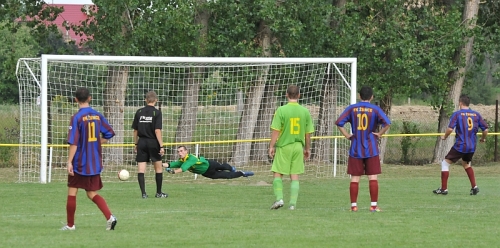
<point x="148" y="143"/>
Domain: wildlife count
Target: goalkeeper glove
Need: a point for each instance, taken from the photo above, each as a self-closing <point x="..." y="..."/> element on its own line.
<point x="170" y="171"/>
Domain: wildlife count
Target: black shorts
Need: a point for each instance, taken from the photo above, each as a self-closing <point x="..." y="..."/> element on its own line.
<point x="148" y="150"/>
<point x="454" y="155"/>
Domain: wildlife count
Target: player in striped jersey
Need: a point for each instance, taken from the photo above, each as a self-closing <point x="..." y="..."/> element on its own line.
<point x="466" y="123"/>
<point x="88" y="129"/>
<point x="364" y="118"/>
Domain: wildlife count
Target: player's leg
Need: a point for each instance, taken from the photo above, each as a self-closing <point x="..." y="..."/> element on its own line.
<point x="159" y="179"/>
<point x="142" y="158"/>
<point x="70" y="207"/>
<point x="355" y="168"/>
<point x="296" y="168"/>
<point x="452" y="157"/>
<point x="155" y="156"/>
<point x="93" y="184"/>
<point x="281" y="166"/>
<point x="466" y="163"/>
<point x="373" y="168"/>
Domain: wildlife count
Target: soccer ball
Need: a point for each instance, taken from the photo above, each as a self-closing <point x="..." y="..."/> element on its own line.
<point x="123" y="175"/>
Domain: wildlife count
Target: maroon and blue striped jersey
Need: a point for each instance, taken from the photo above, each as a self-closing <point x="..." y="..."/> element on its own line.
<point x="85" y="129"/>
<point x="466" y="123"/>
<point x="364" y="118"/>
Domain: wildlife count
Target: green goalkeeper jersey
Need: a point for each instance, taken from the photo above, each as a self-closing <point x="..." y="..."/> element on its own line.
<point x="198" y="165"/>
<point x="293" y="121"/>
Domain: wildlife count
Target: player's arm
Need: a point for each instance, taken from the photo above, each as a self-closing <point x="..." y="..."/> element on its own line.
<point x="307" y="148"/>
<point x="275" y="134"/>
<point x="483" y="136"/>
<point x="447" y="133"/>
<point x="160" y="141"/>
<point x="344" y="132"/>
<point x="382" y="131"/>
<point x="71" y="156"/>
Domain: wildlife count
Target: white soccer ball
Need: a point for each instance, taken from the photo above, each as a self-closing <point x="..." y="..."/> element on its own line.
<point x="123" y="175"/>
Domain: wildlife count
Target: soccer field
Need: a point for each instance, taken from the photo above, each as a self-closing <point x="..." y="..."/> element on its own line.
<point x="225" y="213"/>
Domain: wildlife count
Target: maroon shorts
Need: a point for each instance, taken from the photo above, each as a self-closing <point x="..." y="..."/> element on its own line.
<point x="88" y="183"/>
<point x="364" y="166"/>
<point x="455" y="155"/>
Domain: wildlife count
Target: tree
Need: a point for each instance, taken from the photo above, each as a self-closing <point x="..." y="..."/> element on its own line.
<point x="456" y="78"/>
<point x="14" y="44"/>
<point x="26" y="28"/>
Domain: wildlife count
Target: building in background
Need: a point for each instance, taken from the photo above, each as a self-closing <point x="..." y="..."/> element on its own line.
<point x="72" y="15"/>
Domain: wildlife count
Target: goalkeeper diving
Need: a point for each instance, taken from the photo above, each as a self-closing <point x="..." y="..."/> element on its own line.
<point x="205" y="167"/>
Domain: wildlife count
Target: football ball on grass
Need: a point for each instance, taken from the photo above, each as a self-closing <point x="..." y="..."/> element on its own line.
<point x="123" y="175"/>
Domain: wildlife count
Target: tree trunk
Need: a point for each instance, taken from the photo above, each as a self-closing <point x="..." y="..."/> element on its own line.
<point x="187" y="121"/>
<point x="322" y="148"/>
<point x="263" y="128"/>
<point x="114" y="106"/>
<point x="248" y="120"/>
<point x="268" y="102"/>
<point x="456" y="81"/>
<point x="385" y="105"/>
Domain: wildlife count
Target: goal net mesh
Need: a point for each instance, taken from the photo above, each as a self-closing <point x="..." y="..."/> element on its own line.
<point x="220" y="111"/>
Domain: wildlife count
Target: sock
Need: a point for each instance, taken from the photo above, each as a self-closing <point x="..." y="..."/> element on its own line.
<point x="472" y="178"/>
<point x="294" y="192"/>
<point x="373" y="184"/>
<point x="159" y="181"/>
<point x="444" y="179"/>
<point x="101" y="204"/>
<point x="278" y="188"/>
<point x="142" y="184"/>
<point x="70" y="210"/>
<point x="353" y="190"/>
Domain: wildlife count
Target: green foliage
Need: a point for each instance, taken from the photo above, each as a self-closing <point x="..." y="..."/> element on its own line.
<point x="14" y="44"/>
<point x="402" y="51"/>
<point x="409" y="143"/>
<point x="9" y="134"/>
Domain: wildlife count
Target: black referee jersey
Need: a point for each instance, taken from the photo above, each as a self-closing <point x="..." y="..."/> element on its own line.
<point x="146" y="120"/>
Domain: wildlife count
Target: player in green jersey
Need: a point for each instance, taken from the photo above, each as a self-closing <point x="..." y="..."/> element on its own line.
<point x="290" y="144"/>
<point x="205" y="167"/>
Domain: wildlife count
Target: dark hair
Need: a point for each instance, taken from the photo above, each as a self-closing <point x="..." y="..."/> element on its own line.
<point x="293" y="91"/>
<point x="182" y="147"/>
<point x="365" y="93"/>
<point x="82" y="94"/>
<point x="465" y="100"/>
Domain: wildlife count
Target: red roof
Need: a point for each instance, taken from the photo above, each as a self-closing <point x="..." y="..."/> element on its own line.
<point x="72" y="15"/>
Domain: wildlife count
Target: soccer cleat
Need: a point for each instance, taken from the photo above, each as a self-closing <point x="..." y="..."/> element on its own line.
<point x="233" y="169"/>
<point x="474" y="190"/>
<point x="354" y="209"/>
<point x="144" y="196"/>
<point x="111" y="223"/>
<point x="375" y="209"/>
<point x="292" y="207"/>
<point x="440" y="191"/>
<point x="67" y="228"/>
<point x="277" y="204"/>
<point x="161" y="195"/>
<point x="247" y="173"/>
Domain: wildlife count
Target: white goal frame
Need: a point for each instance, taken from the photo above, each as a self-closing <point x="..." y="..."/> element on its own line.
<point x="43" y="83"/>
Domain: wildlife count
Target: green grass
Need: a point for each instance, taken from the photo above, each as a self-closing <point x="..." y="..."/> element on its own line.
<point x="235" y="213"/>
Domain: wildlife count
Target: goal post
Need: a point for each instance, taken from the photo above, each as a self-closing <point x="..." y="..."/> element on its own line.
<point x="221" y="106"/>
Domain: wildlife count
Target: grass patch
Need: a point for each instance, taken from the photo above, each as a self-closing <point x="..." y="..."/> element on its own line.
<point x="235" y="213"/>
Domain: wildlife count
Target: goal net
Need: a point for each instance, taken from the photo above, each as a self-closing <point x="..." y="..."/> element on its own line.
<point x="220" y="108"/>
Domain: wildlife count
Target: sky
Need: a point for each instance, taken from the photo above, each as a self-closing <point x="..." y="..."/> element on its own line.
<point x="68" y="1"/>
